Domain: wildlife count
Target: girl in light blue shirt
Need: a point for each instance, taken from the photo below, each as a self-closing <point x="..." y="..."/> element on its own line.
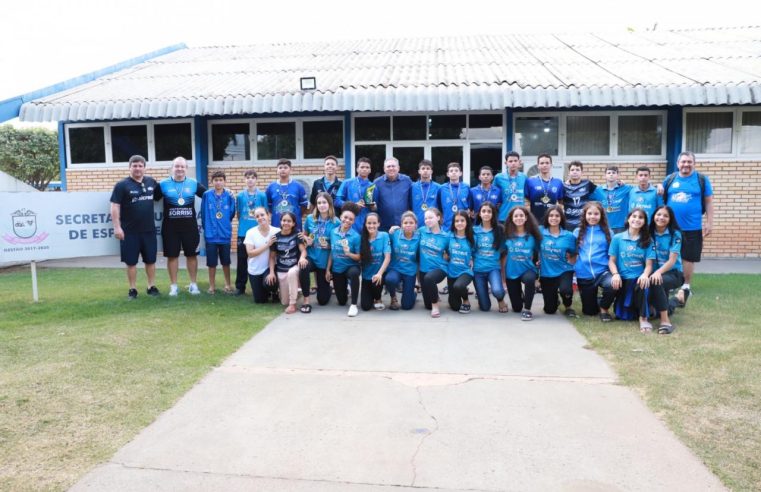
<point x="405" y="242"/>
<point x="557" y="253"/>
<point x="522" y="245"/>
<point x="375" y="250"/>
<point x="433" y="263"/>
<point x="487" y="272"/>
<point x="460" y="268"/>
<point x="668" y="276"/>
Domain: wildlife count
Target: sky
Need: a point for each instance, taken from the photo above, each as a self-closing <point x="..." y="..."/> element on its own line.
<point x="47" y="41"/>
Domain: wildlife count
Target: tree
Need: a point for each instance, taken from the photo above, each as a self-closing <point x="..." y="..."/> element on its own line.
<point x="30" y="155"/>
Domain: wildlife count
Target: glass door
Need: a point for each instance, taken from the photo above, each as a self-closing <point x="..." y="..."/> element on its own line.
<point x="441" y="156"/>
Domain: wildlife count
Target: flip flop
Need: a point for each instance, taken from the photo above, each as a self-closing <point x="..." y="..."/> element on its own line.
<point x="666" y="329"/>
<point x="435" y="313"/>
<point x="306" y="308"/>
<point x="645" y="327"/>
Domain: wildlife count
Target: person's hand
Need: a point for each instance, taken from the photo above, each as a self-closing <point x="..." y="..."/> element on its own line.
<point x="659" y="189"/>
<point x="303" y="263"/>
<point x="271" y="240"/>
<point x="656" y="278"/>
<point x="270" y="279"/>
<point x="616" y="282"/>
<point x="119" y="233"/>
<point x="377" y="278"/>
<point x="393" y="229"/>
<point x="707" y="229"/>
<point x="328" y="275"/>
<point x="643" y="281"/>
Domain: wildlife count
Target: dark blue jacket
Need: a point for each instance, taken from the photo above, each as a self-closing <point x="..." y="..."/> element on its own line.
<point x="392" y="199"/>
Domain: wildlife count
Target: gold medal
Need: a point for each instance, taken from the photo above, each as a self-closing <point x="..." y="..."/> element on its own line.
<point x="545" y="199"/>
<point x="219" y="215"/>
<point x="454" y="208"/>
<point x="251" y="213"/>
<point x="323" y="242"/>
<point x="344" y="242"/>
<point x="180" y="201"/>
<point x="610" y="209"/>
<point x="424" y="207"/>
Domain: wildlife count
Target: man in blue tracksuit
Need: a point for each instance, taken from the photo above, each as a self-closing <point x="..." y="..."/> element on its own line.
<point x="392" y="194"/>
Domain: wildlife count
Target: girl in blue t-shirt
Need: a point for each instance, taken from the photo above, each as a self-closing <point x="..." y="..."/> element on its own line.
<point x="557" y="254"/>
<point x="487" y="272"/>
<point x="316" y="235"/>
<point x="375" y="250"/>
<point x="667" y="240"/>
<point x="343" y="263"/>
<point x="460" y="268"/>
<point x="405" y="242"/>
<point x="591" y="267"/>
<point x="522" y="245"/>
<point x="631" y="262"/>
<point x="433" y="264"/>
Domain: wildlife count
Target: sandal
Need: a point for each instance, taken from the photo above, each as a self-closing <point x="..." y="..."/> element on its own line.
<point x="503" y="308"/>
<point x="645" y="327"/>
<point x="290" y="309"/>
<point x="606" y="317"/>
<point x="229" y="290"/>
<point x="306" y="308"/>
<point x="394" y="306"/>
<point x="666" y="329"/>
<point x="211" y="291"/>
<point x="435" y="313"/>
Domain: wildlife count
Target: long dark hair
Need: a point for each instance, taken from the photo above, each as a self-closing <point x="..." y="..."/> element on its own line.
<point x="672" y="226"/>
<point x="555" y="208"/>
<point x="644" y="232"/>
<point x="365" y="251"/>
<point x="468" y="227"/>
<point x="497" y="232"/>
<point x="583" y="222"/>
<point x="294" y="229"/>
<point x="531" y="226"/>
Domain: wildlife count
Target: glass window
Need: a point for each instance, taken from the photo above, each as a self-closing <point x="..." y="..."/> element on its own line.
<point x="323" y="138"/>
<point x="536" y="135"/>
<point x="87" y="145"/>
<point x="640" y="135"/>
<point x="127" y="141"/>
<point x="230" y="142"/>
<point x="588" y="135"/>
<point x="372" y="128"/>
<point x="709" y="133"/>
<point x="750" y="132"/>
<point x="173" y="140"/>
<point x="410" y="128"/>
<point x="441" y="157"/>
<point x="409" y="158"/>
<point x="447" y="127"/>
<point x="484" y="154"/>
<point x="275" y="140"/>
<point x="485" y="126"/>
<point x="376" y="154"/>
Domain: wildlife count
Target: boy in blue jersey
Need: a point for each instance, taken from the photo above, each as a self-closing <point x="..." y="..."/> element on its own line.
<point x="218" y="210"/>
<point x="358" y="191"/>
<point x="248" y="200"/>
<point x="614" y="197"/>
<point x="645" y="195"/>
<point x="485" y="191"/>
<point x="425" y="192"/>
<point x="453" y="196"/>
<point x="286" y="195"/>
<point x="512" y="182"/>
<point x="543" y="190"/>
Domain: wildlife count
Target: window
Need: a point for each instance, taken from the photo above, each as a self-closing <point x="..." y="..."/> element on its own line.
<point x="172" y="140"/>
<point x="485" y="127"/>
<point x="275" y="141"/>
<point x="709" y="132"/>
<point x="640" y="135"/>
<point x="750" y="132"/>
<point x="372" y="129"/>
<point x="447" y="127"/>
<point x="231" y="142"/>
<point x="87" y="145"/>
<point x="376" y="154"/>
<point x="537" y="135"/>
<point x="410" y="127"/>
<point x="128" y="140"/>
<point x="587" y="135"/>
<point x="323" y="138"/>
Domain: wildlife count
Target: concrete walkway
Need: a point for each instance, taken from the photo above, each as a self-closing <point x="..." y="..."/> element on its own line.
<point x="399" y="401"/>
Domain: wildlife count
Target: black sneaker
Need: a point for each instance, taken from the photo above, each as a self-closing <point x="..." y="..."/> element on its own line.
<point x="464" y="308"/>
<point x="571" y="313"/>
<point x="444" y="291"/>
<point x="526" y="315"/>
<point x="152" y="291"/>
<point x="239" y="293"/>
<point x="132" y="294"/>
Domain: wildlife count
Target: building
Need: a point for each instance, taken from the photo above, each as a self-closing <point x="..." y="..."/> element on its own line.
<point x="628" y="98"/>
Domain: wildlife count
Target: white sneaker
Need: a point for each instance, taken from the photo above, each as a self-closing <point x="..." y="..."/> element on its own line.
<point x="193" y="289"/>
<point x="173" y="291"/>
<point x="379" y="306"/>
<point x="353" y="311"/>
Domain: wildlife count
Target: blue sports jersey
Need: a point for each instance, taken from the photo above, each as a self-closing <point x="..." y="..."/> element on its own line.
<point x="404" y="252"/>
<point x="341" y="262"/>
<point x="486" y="256"/>
<point x="593" y="253"/>
<point x="432" y="248"/>
<point x="246" y="203"/>
<point x="217" y="216"/>
<point x="665" y="245"/>
<point x="452" y="197"/>
<point x="630" y="257"/>
<point x="615" y="202"/>
<point x="355" y="190"/>
<point x="179" y="203"/>
<point x="319" y="230"/>
<point x="379" y="248"/>
<point x="575" y="196"/>
<point x="513" y="192"/>
<point x="424" y="196"/>
<point x="647" y="200"/>
<point x="460" y="257"/>
<point x="554" y="251"/>
<point x="685" y="199"/>
<point x="479" y="195"/>
<point x="520" y="255"/>
<point x="541" y="194"/>
<point x="283" y="198"/>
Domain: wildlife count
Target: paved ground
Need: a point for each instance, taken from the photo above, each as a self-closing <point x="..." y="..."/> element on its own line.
<point x="399" y="401"/>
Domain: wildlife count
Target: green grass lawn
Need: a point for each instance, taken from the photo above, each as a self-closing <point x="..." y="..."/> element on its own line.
<point x="84" y="370"/>
<point x="704" y="381"/>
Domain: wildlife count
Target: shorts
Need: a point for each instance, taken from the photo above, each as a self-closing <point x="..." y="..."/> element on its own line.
<point x="692" y="245"/>
<point x="136" y="244"/>
<point x="214" y="251"/>
<point x="174" y="240"/>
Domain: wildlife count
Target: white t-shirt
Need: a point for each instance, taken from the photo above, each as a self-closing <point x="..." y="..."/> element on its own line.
<point x="260" y="263"/>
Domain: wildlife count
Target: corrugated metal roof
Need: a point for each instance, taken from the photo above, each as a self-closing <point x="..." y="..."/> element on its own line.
<point x="685" y="67"/>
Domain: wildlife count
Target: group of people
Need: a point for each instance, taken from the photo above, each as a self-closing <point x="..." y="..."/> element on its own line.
<point x="628" y="247"/>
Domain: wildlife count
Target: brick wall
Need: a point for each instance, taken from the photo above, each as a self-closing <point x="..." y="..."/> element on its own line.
<point x="737" y="198"/>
